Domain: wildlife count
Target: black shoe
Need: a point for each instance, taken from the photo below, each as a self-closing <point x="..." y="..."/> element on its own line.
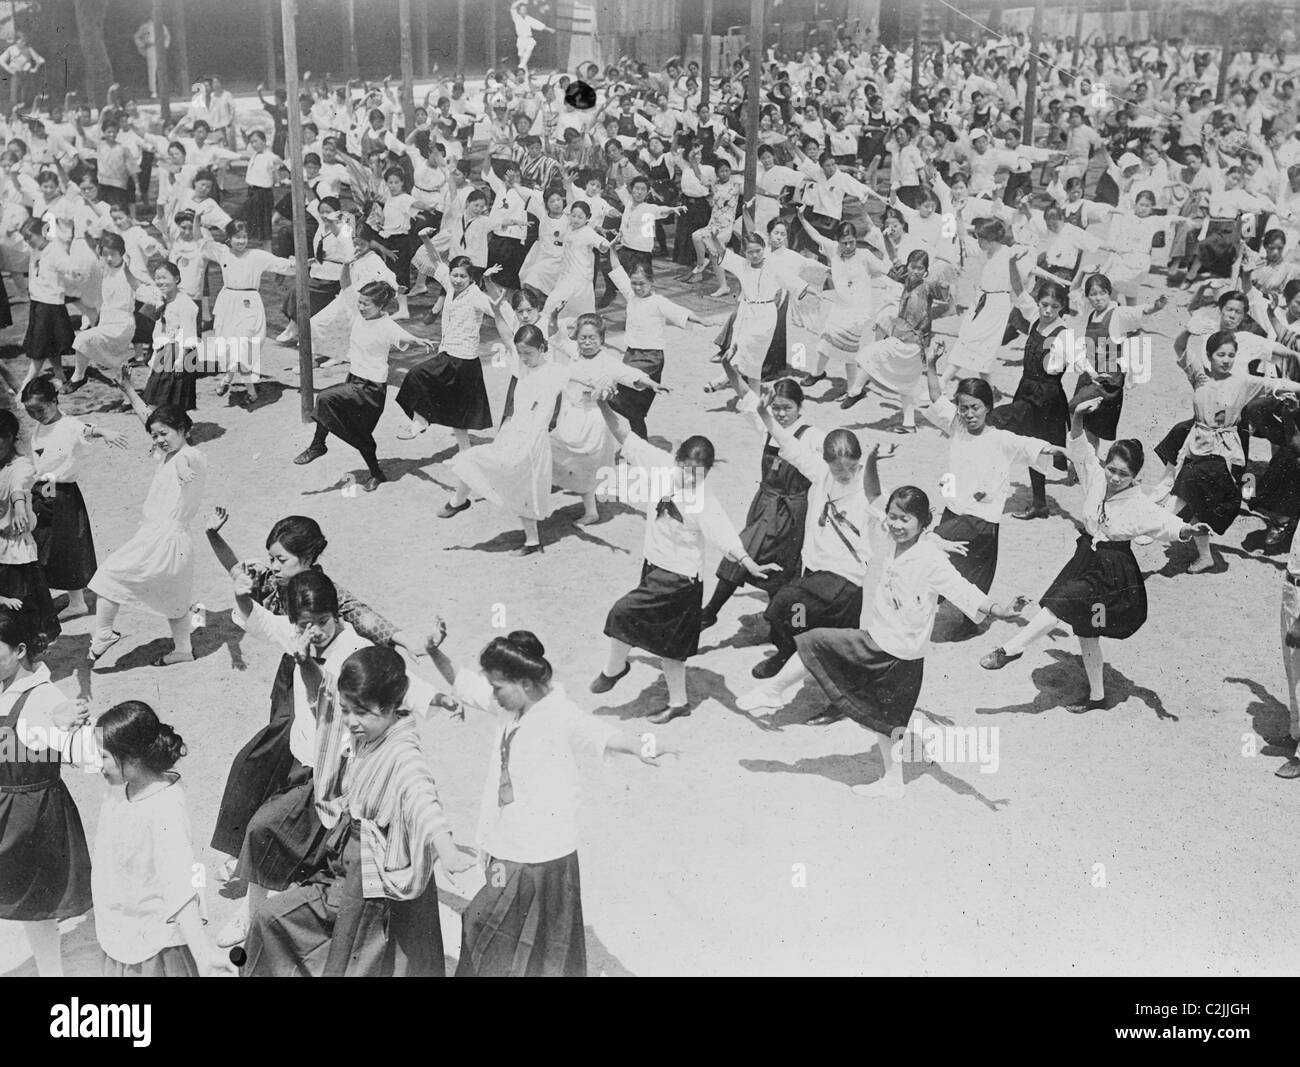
<point x="309" y="455"/>
<point x="526" y="550"/>
<point x="1290" y="769"/>
<point x="449" y="509"/>
<point x="1035" y="512"/>
<point x="373" y="482"/>
<point x="708" y="619"/>
<point x="826" y="718"/>
<point x="1275" y="536"/>
<point x="1081" y="707"/>
<point x="604" y="683"/>
<point x="670" y="713"/>
<point x="770" y="667"/>
<point x="852" y="398"/>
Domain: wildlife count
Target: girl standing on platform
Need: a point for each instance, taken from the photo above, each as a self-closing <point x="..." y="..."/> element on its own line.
<point x="156" y="567"/>
<point x="448" y="390"/>
<point x="514" y="471"/>
<point x="239" y="316"/>
<point x="44" y="862"/>
<point x="1101" y="591"/>
<point x="350" y="410"/>
<point x="149" y="916"/>
<point x="774" y="526"/>
<point x="662" y="614"/>
<point x="65" y="545"/>
<point x="874" y="673"/>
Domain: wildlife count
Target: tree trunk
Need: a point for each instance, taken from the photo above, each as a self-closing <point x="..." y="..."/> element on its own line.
<point x="90" y="31"/>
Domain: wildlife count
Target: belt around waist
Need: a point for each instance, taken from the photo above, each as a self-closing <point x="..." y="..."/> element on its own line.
<point x="1120" y="546"/>
<point x="758" y="301"/>
<point x="30" y="787"/>
<point x="236" y="289"/>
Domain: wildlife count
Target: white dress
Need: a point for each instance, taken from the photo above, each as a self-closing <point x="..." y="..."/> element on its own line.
<point x="109" y="340"/>
<point x="514" y="470"/>
<point x="575" y="288"/>
<point x="760" y="290"/>
<point x="980" y="335"/>
<point x="156" y="567"/>
<point x="849" y="306"/>
<point x="239" y="317"/>
<point x="581" y="443"/>
<point x="544" y="262"/>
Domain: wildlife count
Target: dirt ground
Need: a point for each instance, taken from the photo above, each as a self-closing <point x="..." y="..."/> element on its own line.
<point x="1142" y="839"/>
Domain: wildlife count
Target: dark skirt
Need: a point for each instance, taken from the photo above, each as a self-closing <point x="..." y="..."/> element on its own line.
<point x="351" y="409"/>
<point x="694" y="218"/>
<point x="1104" y="422"/>
<point x="868" y="684"/>
<point x="661" y="615"/>
<point x="1018" y="185"/>
<point x="285" y="842"/>
<point x="49" y="331"/>
<point x="65" y="545"/>
<point x="177" y="387"/>
<point x="6" y="314"/>
<point x="773" y="533"/>
<point x="1211" y="494"/>
<point x="144" y="325"/>
<point x="44" y="862"/>
<point x="980" y="563"/>
<point x="1039" y="409"/>
<point x="446" y="391"/>
<point x="1100" y="592"/>
<point x="1169" y="447"/>
<point x="910" y="195"/>
<point x="260" y="770"/>
<point x="176" y="961"/>
<point x="26" y="582"/>
<point x="506" y="251"/>
<point x="319" y="294"/>
<point x="1278" y="492"/>
<point x="634" y="404"/>
<point x="814" y="600"/>
<point x="257" y="212"/>
<point x="526" y="922"/>
<point x="327" y="928"/>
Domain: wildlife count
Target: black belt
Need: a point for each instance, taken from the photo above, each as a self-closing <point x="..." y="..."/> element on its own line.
<point x="234" y="289"/>
<point x="30" y="787"/>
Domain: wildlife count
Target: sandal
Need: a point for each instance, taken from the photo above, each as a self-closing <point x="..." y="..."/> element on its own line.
<point x="95" y="652"/>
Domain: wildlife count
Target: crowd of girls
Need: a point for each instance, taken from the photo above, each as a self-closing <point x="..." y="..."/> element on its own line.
<point x="330" y="813"/>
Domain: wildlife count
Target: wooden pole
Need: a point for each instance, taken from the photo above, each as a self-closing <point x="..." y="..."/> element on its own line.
<point x="706" y="52"/>
<point x="1031" y="86"/>
<point x="422" y="35"/>
<point x="1224" y="59"/>
<point x="268" y="36"/>
<point x="408" y="75"/>
<point x="916" y="51"/>
<point x="182" y="48"/>
<point x="757" y="37"/>
<point x="492" y="34"/>
<point x="1078" y="38"/>
<point x="160" y="50"/>
<point x="460" y="36"/>
<point x="302" y="252"/>
<point x="350" y="31"/>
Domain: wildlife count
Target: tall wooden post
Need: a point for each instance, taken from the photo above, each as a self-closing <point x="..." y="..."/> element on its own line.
<point x="1078" y="37"/>
<point x="706" y="52"/>
<point x="350" y="32"/>
<point x="160" y="50"/>
<point x="408" y="75"/>
<point x="182" y="48"/>
<point x="268" y="37"/>
<point x="302" y="251"/>
<point x="460" y="36"/>
<point x="1224" y="59"/>
<point x="753" y="103"/>
<point x="422" y="35"/>
<point x="916" y="51"/>
<point x="492" y="34"/>
<point x="1031" y="86"/>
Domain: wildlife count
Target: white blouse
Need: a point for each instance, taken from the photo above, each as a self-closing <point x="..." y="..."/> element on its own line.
<point x="647" y="316"/>
<point x="1126" y="515"/>
<point x="143" y="872"/>
<point x="836" y="526"/>
<point x="978" y="481"/>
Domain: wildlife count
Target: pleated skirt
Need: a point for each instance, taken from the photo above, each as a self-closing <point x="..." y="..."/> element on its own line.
<point x="661" y="615"/>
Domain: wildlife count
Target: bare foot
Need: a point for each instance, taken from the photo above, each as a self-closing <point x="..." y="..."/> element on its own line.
<point x="587" y="520"/>
<point x="1200" y="565"/>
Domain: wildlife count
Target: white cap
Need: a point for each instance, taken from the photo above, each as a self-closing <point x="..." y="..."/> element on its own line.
<point x="1128" y="159"/>
<point x="978" y="133"/>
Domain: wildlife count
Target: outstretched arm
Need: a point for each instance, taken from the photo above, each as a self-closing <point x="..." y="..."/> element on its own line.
<point x="140" y="408"/>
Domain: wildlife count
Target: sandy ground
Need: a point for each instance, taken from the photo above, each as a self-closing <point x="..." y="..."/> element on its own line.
<point x="1143" y="839"/>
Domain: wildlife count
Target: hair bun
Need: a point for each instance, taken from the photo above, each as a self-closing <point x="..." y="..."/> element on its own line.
<point x="526" y="642"/>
